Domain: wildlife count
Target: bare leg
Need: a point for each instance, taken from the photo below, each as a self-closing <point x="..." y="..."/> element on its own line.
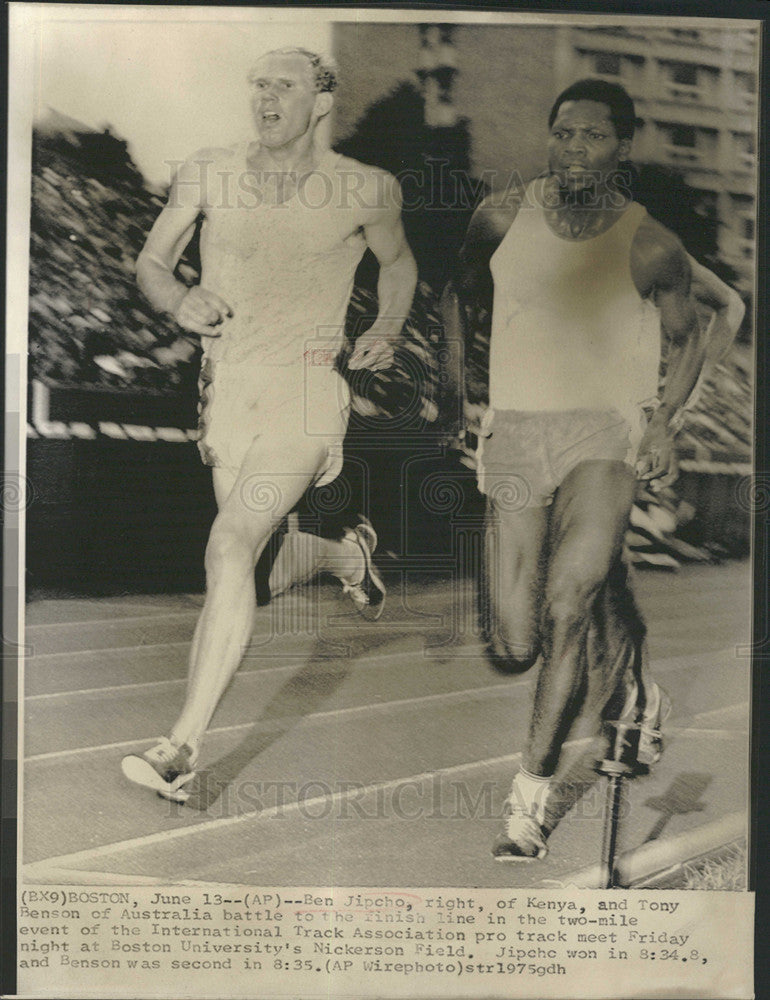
<point x="616" y="648"/>
<point x="589" y="518"/>
<point x="301" y="555"/>
<point x="633" y="695"/>
<point x="511" y="587"/>
<point x="238" y="535"/>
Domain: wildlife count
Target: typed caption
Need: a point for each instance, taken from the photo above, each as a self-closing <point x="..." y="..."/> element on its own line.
<point x="372" y="942"/>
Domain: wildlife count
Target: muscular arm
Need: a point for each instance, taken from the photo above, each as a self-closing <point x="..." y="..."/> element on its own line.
<point x="195" y="309"/>
<point x="662" y="268"/>
<point x="726" y="306"/>
<point x="384" y="233"/>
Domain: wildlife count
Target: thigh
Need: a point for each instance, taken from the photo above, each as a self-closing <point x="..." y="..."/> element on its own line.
<point x="274" y="474"/>
<point x="514" y="542"/>
<point x="224" y="480"/>
<point x="514" y="569"/>
<point x="589" y="518"/>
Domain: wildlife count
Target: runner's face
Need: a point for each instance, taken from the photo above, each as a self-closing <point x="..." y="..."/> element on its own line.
<point x="583" y="147"/>
<point x="283" y="98"/>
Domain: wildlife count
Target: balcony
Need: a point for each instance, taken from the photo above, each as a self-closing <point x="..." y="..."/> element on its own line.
<point x="683" y="156"/>
<point x="688" y="93"/>
<point x="744" y="162"/>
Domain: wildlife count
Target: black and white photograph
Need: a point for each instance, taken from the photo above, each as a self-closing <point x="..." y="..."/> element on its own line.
<point x="386" y="495"/>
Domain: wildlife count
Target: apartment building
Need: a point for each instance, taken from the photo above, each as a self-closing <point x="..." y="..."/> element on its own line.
<point x="695" y="91"/>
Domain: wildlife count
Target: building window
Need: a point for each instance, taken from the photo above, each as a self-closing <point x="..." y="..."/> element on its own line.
<point x="744" y="142"/>
<point x="748" y="229"/>
<point x="744" y="82"/>
<point x="607" y="64"/>
<point x="684" y="135"/>
<point x="686" y="73"/>
<point x="685" y="35"/>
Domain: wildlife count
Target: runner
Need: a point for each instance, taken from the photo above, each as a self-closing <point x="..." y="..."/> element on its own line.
<point x="285" y="223"/>
<point x="584" y="280"/>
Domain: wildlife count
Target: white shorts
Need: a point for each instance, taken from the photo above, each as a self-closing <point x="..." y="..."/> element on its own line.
<point x="235" y="406"/>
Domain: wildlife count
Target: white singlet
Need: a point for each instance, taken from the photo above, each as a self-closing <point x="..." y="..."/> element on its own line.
<point x="569" y="328"/>
<point x="287" y="272"/>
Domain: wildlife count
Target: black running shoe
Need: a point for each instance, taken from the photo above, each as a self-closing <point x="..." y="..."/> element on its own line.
<point x="651" y="726"/>
<point x="650" y="720"/>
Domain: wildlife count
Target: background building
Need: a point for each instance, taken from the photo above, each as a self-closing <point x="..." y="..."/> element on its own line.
<point x="694" y="89"/>
<point x="695" y="92"/>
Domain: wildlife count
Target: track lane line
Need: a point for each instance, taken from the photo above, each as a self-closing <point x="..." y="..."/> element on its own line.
<point x="464" y="693"/>
<point x="362" y="661"/>
<point x="459" y="652"/>
<point x="38" y="869"/>
<point x="674" y="665"/>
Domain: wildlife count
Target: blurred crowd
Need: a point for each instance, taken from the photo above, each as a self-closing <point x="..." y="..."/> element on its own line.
<point x="88" y="323"/>
<point x="90" y="326"/>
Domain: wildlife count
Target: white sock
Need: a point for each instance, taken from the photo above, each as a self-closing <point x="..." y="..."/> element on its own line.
<point x="529" y="793"/>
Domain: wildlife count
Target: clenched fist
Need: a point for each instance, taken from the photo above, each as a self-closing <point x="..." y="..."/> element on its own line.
<point x="200" y="311"/>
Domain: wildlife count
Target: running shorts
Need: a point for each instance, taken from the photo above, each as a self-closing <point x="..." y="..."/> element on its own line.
<point x="524" y="456"/>
<point x="235" y="406"/>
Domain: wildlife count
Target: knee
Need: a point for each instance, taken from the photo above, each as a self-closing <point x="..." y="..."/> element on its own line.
<point x="226" y="550"/>
<point x="510" y="633"/>
<point x="569" y="599"/>
<point x="509" y="656"/>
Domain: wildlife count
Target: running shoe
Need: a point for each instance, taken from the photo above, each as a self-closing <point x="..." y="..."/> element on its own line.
<point x="655" y="713"/>
<point x="368" y="594"/>
<point x="165" y="768"/>
<point x="523" y="837"/>
<point x="650" y="721"/>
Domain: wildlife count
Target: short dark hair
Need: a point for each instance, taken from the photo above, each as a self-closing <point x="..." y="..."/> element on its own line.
<point x="622" y="111"/>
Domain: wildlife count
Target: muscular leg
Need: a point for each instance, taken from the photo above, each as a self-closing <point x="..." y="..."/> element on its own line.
<point x="238" y="535"/>
<point x="615" y="646"/>
<point x="630" y="691"/>
<point x="301" y="555"/>
<point x="511" y="586"/>
<point x="588" y="521"/>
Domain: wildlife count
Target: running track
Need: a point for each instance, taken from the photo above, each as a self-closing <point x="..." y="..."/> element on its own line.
<point x="354" y="754"/>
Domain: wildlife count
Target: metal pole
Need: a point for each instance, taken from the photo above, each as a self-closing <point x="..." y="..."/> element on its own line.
<point x="623" y="746"/>
<point x="611" y="824"/>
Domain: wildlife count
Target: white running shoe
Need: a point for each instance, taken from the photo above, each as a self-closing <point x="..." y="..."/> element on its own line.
<point x="656" y="711"/>
<point x="523" y="838"/>
<point x="165" y="768"/>
<point x="368" y="594"/>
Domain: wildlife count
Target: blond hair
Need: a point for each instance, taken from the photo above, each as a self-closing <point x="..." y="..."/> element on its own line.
<point x="324" y="68"/>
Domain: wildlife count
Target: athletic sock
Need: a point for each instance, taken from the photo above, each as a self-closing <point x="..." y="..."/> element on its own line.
<point x="529" y="794"/>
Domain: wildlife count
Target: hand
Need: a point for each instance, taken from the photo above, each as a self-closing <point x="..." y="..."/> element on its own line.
<point x="656" y="462"/>
<point x="201" y="310"/>
<point x="372" y="351"/>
